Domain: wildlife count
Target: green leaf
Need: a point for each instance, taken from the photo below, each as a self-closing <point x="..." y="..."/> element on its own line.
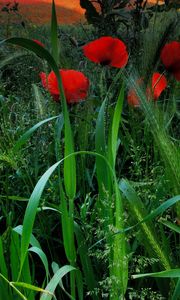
<point x="100" y="145"/>
<point x="113" y="135"/>
<point x="86" y="263"/>
<point x="31" y="210"/>
<point x="55" y="268"/>
<point x="39" y="101"/>
<point x="67" y="228"/>
<point x="173" y="273"/>
<point x="23" y="139"/>
<point x="13" y="287"/>
<point x="69" y="164"/>
<point x="55" y="281"/>
<point x="170" y="225"/>
<point x="175" y="295"/>
<point x="42" y="257"/>
<point x="138" y="211"/>
<point x="31" y="287"/>
<point x="54" y="34"/>
<point x="33" y="241"/>
<point x="132" y="197"/>
<point x="3" y="267"/>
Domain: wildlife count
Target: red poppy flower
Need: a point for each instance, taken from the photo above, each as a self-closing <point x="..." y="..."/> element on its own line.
<point x="158" y="84"/>
<point x="170" y="56"/>
<point x="39" y="43"/>
<point x="107" y="51"/>
<point x="75" y="85"/>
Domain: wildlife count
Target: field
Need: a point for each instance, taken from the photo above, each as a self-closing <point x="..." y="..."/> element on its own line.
<point x="39" y="12"/>
<point x="89" y="150"/>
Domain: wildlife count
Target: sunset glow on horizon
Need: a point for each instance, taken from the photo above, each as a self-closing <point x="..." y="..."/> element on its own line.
<point x="39" y="11"/>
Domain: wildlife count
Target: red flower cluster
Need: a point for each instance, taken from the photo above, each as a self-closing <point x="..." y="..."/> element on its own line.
<point x="107" y="51"/>
<point x="158" y="85"/>
<point x="170" y="56"/>
<point x="111" y="51"/>
<point x="75" y="85"/>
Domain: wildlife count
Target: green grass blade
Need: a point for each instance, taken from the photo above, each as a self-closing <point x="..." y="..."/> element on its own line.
<point x="31" y="210"/>
<point x="132" y="197"/>
<point x="55" y="281"/>
<point x="67" y="229"/>
<point x="33" y="203"/>
<point x="139" y="213"/>
<point x="31" y="287"/>
<point x="55" y="268"/>
<point x="69" y="164"/>
<point x="42" y="257"/>
<point x="100" y="145"/>
<point x="34" y="47"/>
<point x="173" y="273"/>
<point x="3" y="267"/>
<point x="79" y="283"/>
<point x="33" y="241"/>
<point x="13" y="287"/>
<point x="119" y="268"/>
<point x="23" y="139"/>
<point x="39" y="101"/>
<point x="113" y="135"/>
<point x="170" y="225"/>
<point x="89" y="275"/>
<point x="176" y="293"/>
<point x="54" y="34"/>
<point x="14" y="255"/>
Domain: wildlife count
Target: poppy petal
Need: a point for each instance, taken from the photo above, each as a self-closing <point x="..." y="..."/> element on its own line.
<point x="159" y="83"/>
<point x="44" y="80"/>
<point x="53" y="84"/>
<point x="132" y="96"/>
<point x="107" y="51"/>
<point x="39" y="43"/>
<point x="75" y="85"/>
<point x="170" y="56"/>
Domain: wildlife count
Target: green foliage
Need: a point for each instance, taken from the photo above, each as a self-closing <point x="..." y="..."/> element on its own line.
<point x="63" y="201"/>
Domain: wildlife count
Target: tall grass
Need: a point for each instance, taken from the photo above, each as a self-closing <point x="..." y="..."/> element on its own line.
<point x="101" y="227"/>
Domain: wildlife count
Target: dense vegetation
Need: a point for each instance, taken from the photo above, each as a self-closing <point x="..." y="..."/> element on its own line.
<point x="90" y="190"/>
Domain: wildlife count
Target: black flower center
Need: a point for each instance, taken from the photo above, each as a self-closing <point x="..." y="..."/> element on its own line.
<point x="105" y="62"/>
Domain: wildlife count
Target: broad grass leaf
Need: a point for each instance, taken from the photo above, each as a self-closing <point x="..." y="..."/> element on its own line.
<point x="33" y="241"/>
<point x="138" y="211"/>
<point x="100" y="145"/>
<point x="3" y="267"/>
<point x="133" y="198"/>
<point x="42" y="257"/>
<point x="173" y="273"/>
<point x="55" y="268"/>
<point x="55" y="281"/>
<point x="31" y="287"/>
<point x="13" y="288"/>
<point x="86" y="263"/>
<point x="31" y="211"/>
<point x="170" y="225"/>
<point x="24" y="138"/>
<point x="113" y="134"/>
<point x="175" y="295"/>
